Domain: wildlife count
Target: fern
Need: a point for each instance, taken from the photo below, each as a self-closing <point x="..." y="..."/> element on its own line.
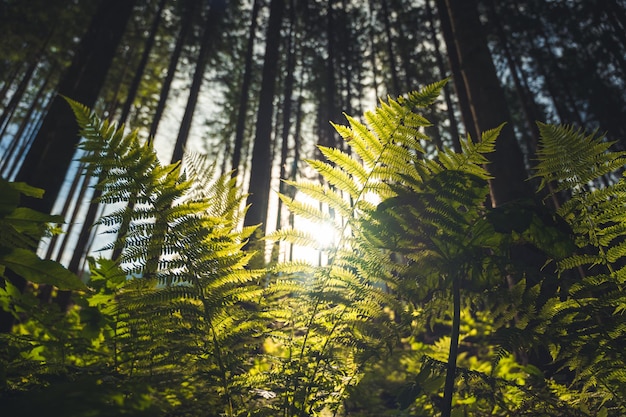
<point x="589" y="320"/>
<point x="186" y="316"/>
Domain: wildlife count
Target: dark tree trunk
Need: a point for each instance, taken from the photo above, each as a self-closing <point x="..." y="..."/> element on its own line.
<point x="395" y="82"/>
<point x="488" y="103"/>
<point x="213" y="17"/>
<point x="454" y="128"/>
<point x="51" y="153"/>
<point x="52" y="150"/>
<point x="287" y="108"/>
<point x="242" y="113"/>
<point x="20" y="141"/>
<point x="185" y="25"/>
<point x="260" y="172"/>
<point x="528" y="106"/>
<point x="134" y="85"/>
<point x="455" y="68"/>
<point x="372" y="53"/>
<point x="90" y="217"/>
<point x="17" y="96"/>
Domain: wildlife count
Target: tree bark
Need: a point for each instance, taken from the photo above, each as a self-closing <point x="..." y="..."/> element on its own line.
<point x="260" y="172"/>
<point x="395" y="81"/>
<point x="488" y="103"/>
<point x="455" y="68"/>
<point x="185" y="25"/>
<point x="242" y="113"/>
<point x="215" y="13"/>
<point x="51" y="153"/>
<point x="454" y="128"/>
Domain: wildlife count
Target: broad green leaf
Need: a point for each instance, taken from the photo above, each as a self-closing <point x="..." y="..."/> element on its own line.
<point x="9" y="197"/>
<point x="34" y="269"/>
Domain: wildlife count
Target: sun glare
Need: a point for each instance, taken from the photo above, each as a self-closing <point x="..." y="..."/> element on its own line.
<point x="326" y="237"/>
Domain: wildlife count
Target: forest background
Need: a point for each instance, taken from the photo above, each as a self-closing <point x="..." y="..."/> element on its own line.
<point x="255" y="85"/>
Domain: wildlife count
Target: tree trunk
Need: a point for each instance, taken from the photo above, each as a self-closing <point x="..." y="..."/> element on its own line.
<point x="488" y="103"/>
<point x="528" y="107"/>
<point x="90" y="217"/>
<point x="395" y="82"/>
<point x="185" y="25"/>
<point x="52" y="150"/>
<point x="13" y="154"/>
<point x="287" y="110"/>
<point x="455" y="68"/>
<point x="242" y="113"/>
<point x="454" y="128"/>
<point x="260" y="172"/>
<point x="134" y="85"/>
<point x="214" y="15"/>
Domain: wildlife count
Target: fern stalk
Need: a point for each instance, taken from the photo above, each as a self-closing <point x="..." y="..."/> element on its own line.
<point x="448" y="391"/>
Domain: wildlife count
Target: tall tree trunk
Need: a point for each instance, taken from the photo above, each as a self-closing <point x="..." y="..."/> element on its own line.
<point x="454" y="128"/>
<point x="395" y="81"/>
<point x="287" y="110"/>
<point x="12" y="156"/>
<point x="86" y="230"/>
<point x="242" y="112"/>
<point x="185" y="25"/>
<point x="213" y="17"/>
<point x="488" y="103"/>
<point x="372" y="48"/>
<point x="528" y="106"/>
<point x="455" y="68"/>
<point x="143" y="62"/>
<point x="17" y="96"/>
<point x="51" y="153"/>
<point x="260" y="172"/>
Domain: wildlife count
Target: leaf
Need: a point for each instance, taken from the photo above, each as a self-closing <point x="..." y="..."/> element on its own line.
<point x="34" y="269"/>
<point x="9" y="197"/>
<point x="26" y="220"/>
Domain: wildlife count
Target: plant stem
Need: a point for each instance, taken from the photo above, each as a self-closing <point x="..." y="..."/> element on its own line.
<point x="454" y="348"/>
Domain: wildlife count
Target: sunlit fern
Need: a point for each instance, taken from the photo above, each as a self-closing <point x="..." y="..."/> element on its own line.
<point x="185" y="313"/>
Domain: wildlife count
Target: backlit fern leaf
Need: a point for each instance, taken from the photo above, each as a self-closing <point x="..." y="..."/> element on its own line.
<point x="184" y="247"/>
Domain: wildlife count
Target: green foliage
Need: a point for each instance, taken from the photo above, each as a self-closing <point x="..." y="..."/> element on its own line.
<point x="334" y="319"/>
<point x="587" y="330"/>
<point x="428" y="301"/>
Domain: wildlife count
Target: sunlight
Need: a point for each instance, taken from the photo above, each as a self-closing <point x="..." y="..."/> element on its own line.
<point x="326" y="237"/>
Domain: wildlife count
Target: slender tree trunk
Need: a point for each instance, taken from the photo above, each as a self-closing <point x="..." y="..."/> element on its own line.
<point x="528" y="107"/>
<point x="90" y="217"/>
<point x="11" y="157"/>
<point x="214" y="15"/>
<point x="454" y="128"/>
<point x="242" y="112"/>
<point x="373" y="49"/>
<point x="395" y="81"/>
<point x="455" y="68"/>
<point x="185" y="25"/>
<point x="328" y="133"/>
<point x="134" y="85"/>
<point x="17" y="96"/>
<point x="51" y="153"/>
<point x="488" y="103"/>
<point x="287" y="109"/>
<point x="8" y="82"/>
<point x="260" y="172"/>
